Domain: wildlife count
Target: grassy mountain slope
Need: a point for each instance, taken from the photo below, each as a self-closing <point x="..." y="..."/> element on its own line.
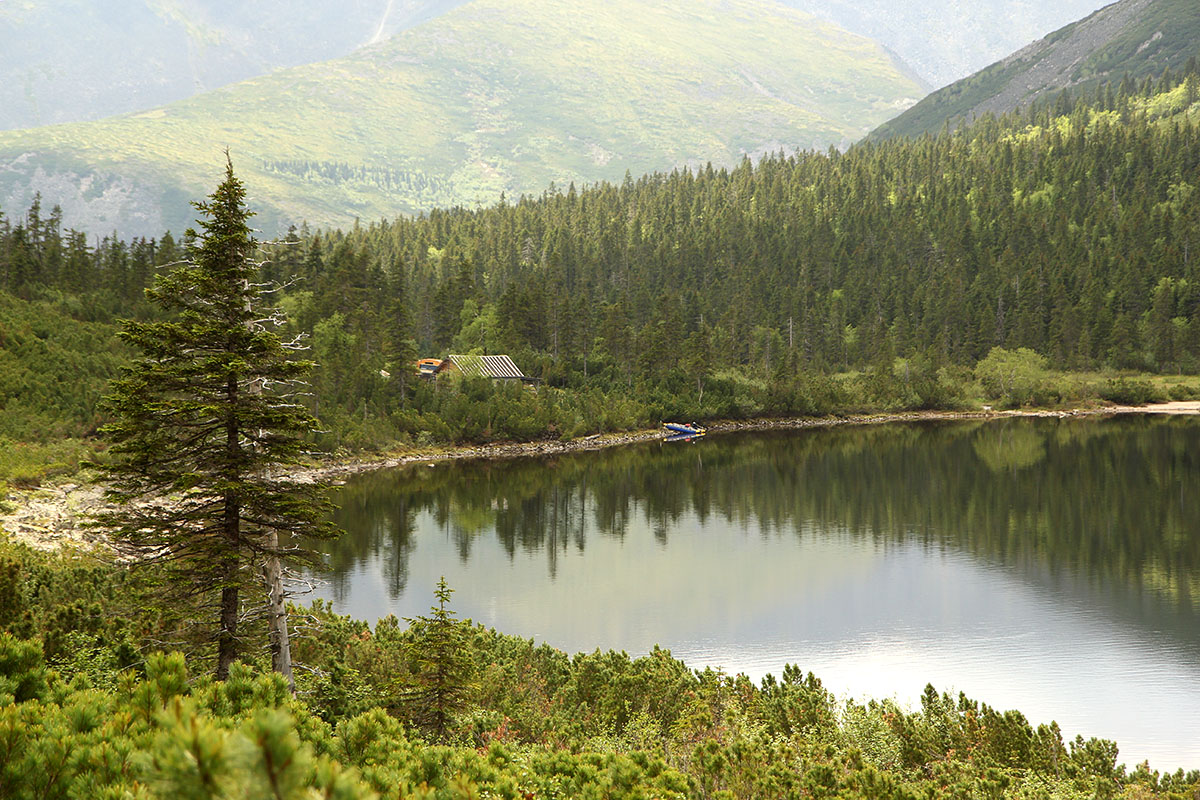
<point x="1138" y="38"/>
<point x="495" y="96"/>
<point x="75" y="60"/>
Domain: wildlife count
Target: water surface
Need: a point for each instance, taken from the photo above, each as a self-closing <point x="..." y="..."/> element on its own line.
<point x="1051" y="566"/>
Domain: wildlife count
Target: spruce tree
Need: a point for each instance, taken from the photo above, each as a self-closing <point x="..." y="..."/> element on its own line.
<point x="206" y="423"/>
<point x="400" y="346"/>
<point x="442" y="668"/>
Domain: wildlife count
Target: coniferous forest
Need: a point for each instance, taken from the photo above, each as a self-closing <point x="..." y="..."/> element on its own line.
<point x="895" y="275"/>
<point x="1070" y="230"/>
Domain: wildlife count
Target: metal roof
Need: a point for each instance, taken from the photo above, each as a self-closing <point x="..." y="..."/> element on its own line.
<point x="486" y="366"/>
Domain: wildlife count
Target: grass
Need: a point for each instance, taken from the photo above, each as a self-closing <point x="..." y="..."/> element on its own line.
<point x="1139" y="388"/>
<point x="29" y="464"/>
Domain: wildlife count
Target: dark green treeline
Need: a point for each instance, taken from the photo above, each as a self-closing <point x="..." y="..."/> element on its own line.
<point x="1072" y="230"/>
<point x="60" y="297"/>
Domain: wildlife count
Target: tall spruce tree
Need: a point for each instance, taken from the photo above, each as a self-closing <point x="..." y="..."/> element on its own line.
<point x="206" y="420"/>
<point x="442" y="668"/>
<point x="400" y="346"/>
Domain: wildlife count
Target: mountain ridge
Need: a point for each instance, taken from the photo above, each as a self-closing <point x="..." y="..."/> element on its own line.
<point x="76" y="60"/>
<point x="945" y="40"/>
<point x="1138" y="38"/>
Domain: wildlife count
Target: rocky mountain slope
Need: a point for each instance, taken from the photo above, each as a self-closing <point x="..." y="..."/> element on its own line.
<point x="1138" y="38"/>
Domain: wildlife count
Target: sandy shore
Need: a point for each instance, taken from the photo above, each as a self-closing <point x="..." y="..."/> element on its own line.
<point x="51" y="516"/>
<point x="1178" y="407"/>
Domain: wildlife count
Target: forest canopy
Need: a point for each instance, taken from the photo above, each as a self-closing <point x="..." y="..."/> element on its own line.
<point x="1069" y="230"/>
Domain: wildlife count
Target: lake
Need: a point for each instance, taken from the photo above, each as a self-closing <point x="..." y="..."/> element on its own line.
<point x="1047" y="565"/>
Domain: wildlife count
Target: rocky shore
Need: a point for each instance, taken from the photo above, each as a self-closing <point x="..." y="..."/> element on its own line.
<point x="49" y="517"/>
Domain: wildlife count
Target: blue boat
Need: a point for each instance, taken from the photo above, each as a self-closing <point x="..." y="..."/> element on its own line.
<point x="685" y="428"/>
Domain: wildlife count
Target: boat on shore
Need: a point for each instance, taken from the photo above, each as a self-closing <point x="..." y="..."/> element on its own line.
<point x="684" y="428"/>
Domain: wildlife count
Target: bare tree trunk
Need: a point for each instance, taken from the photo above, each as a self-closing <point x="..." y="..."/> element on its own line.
<point x="281" y="647"/>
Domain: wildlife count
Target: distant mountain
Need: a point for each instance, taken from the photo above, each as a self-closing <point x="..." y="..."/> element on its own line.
<point x="1138" y="38"/>
<point x="76" y="60"/>
<point x="494" y="96"/>
<point x="73" y="60"/>
<point x="944" y="40"/>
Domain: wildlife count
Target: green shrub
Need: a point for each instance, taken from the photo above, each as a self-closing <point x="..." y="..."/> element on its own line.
<point x="23" y="673"/>
<point x="29" y="463"/>
<point x="1132" y="392"/>
<point x="1014" y="378"/>
<point x="1182" y="391"/>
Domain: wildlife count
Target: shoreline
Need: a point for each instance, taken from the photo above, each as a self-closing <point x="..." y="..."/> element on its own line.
<point x="334" y="472"/>
<point x="50" y="517"/>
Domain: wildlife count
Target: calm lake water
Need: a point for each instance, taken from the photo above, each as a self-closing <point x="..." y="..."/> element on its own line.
<point x="1052" y="566"/>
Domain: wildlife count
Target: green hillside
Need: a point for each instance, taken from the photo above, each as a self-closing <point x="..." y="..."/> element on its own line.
<point x="495" y="96"/>
<point x="1134" y="38"/>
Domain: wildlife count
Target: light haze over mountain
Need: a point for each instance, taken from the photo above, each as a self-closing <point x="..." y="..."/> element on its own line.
<point x="74" y="60"/>
<point x="944" y="40"/>
<point x="496" y="96"/>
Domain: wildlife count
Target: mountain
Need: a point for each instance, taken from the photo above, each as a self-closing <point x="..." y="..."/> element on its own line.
<point x="74" y="60"/>
<point x="1135" y="38"/>
<point x="944" y="40"/>
<point x="496" y="96"/>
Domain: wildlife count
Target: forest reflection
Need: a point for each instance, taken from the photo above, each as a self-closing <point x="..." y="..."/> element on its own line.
<point x="1105" y="505"/>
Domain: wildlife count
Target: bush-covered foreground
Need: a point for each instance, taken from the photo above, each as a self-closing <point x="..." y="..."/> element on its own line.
<point x="90" y="707"/>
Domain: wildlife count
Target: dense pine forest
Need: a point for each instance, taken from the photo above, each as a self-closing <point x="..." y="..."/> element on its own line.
<point x="1070" y="230"/>
<point x="878" y="278"/>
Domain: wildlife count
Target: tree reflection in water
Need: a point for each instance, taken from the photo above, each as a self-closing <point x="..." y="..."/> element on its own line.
<point x="1102" y="502"/>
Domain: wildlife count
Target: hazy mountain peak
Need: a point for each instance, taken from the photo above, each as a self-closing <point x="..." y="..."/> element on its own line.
<point x="944" y="40"/>
<point x="75" y="60"/>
